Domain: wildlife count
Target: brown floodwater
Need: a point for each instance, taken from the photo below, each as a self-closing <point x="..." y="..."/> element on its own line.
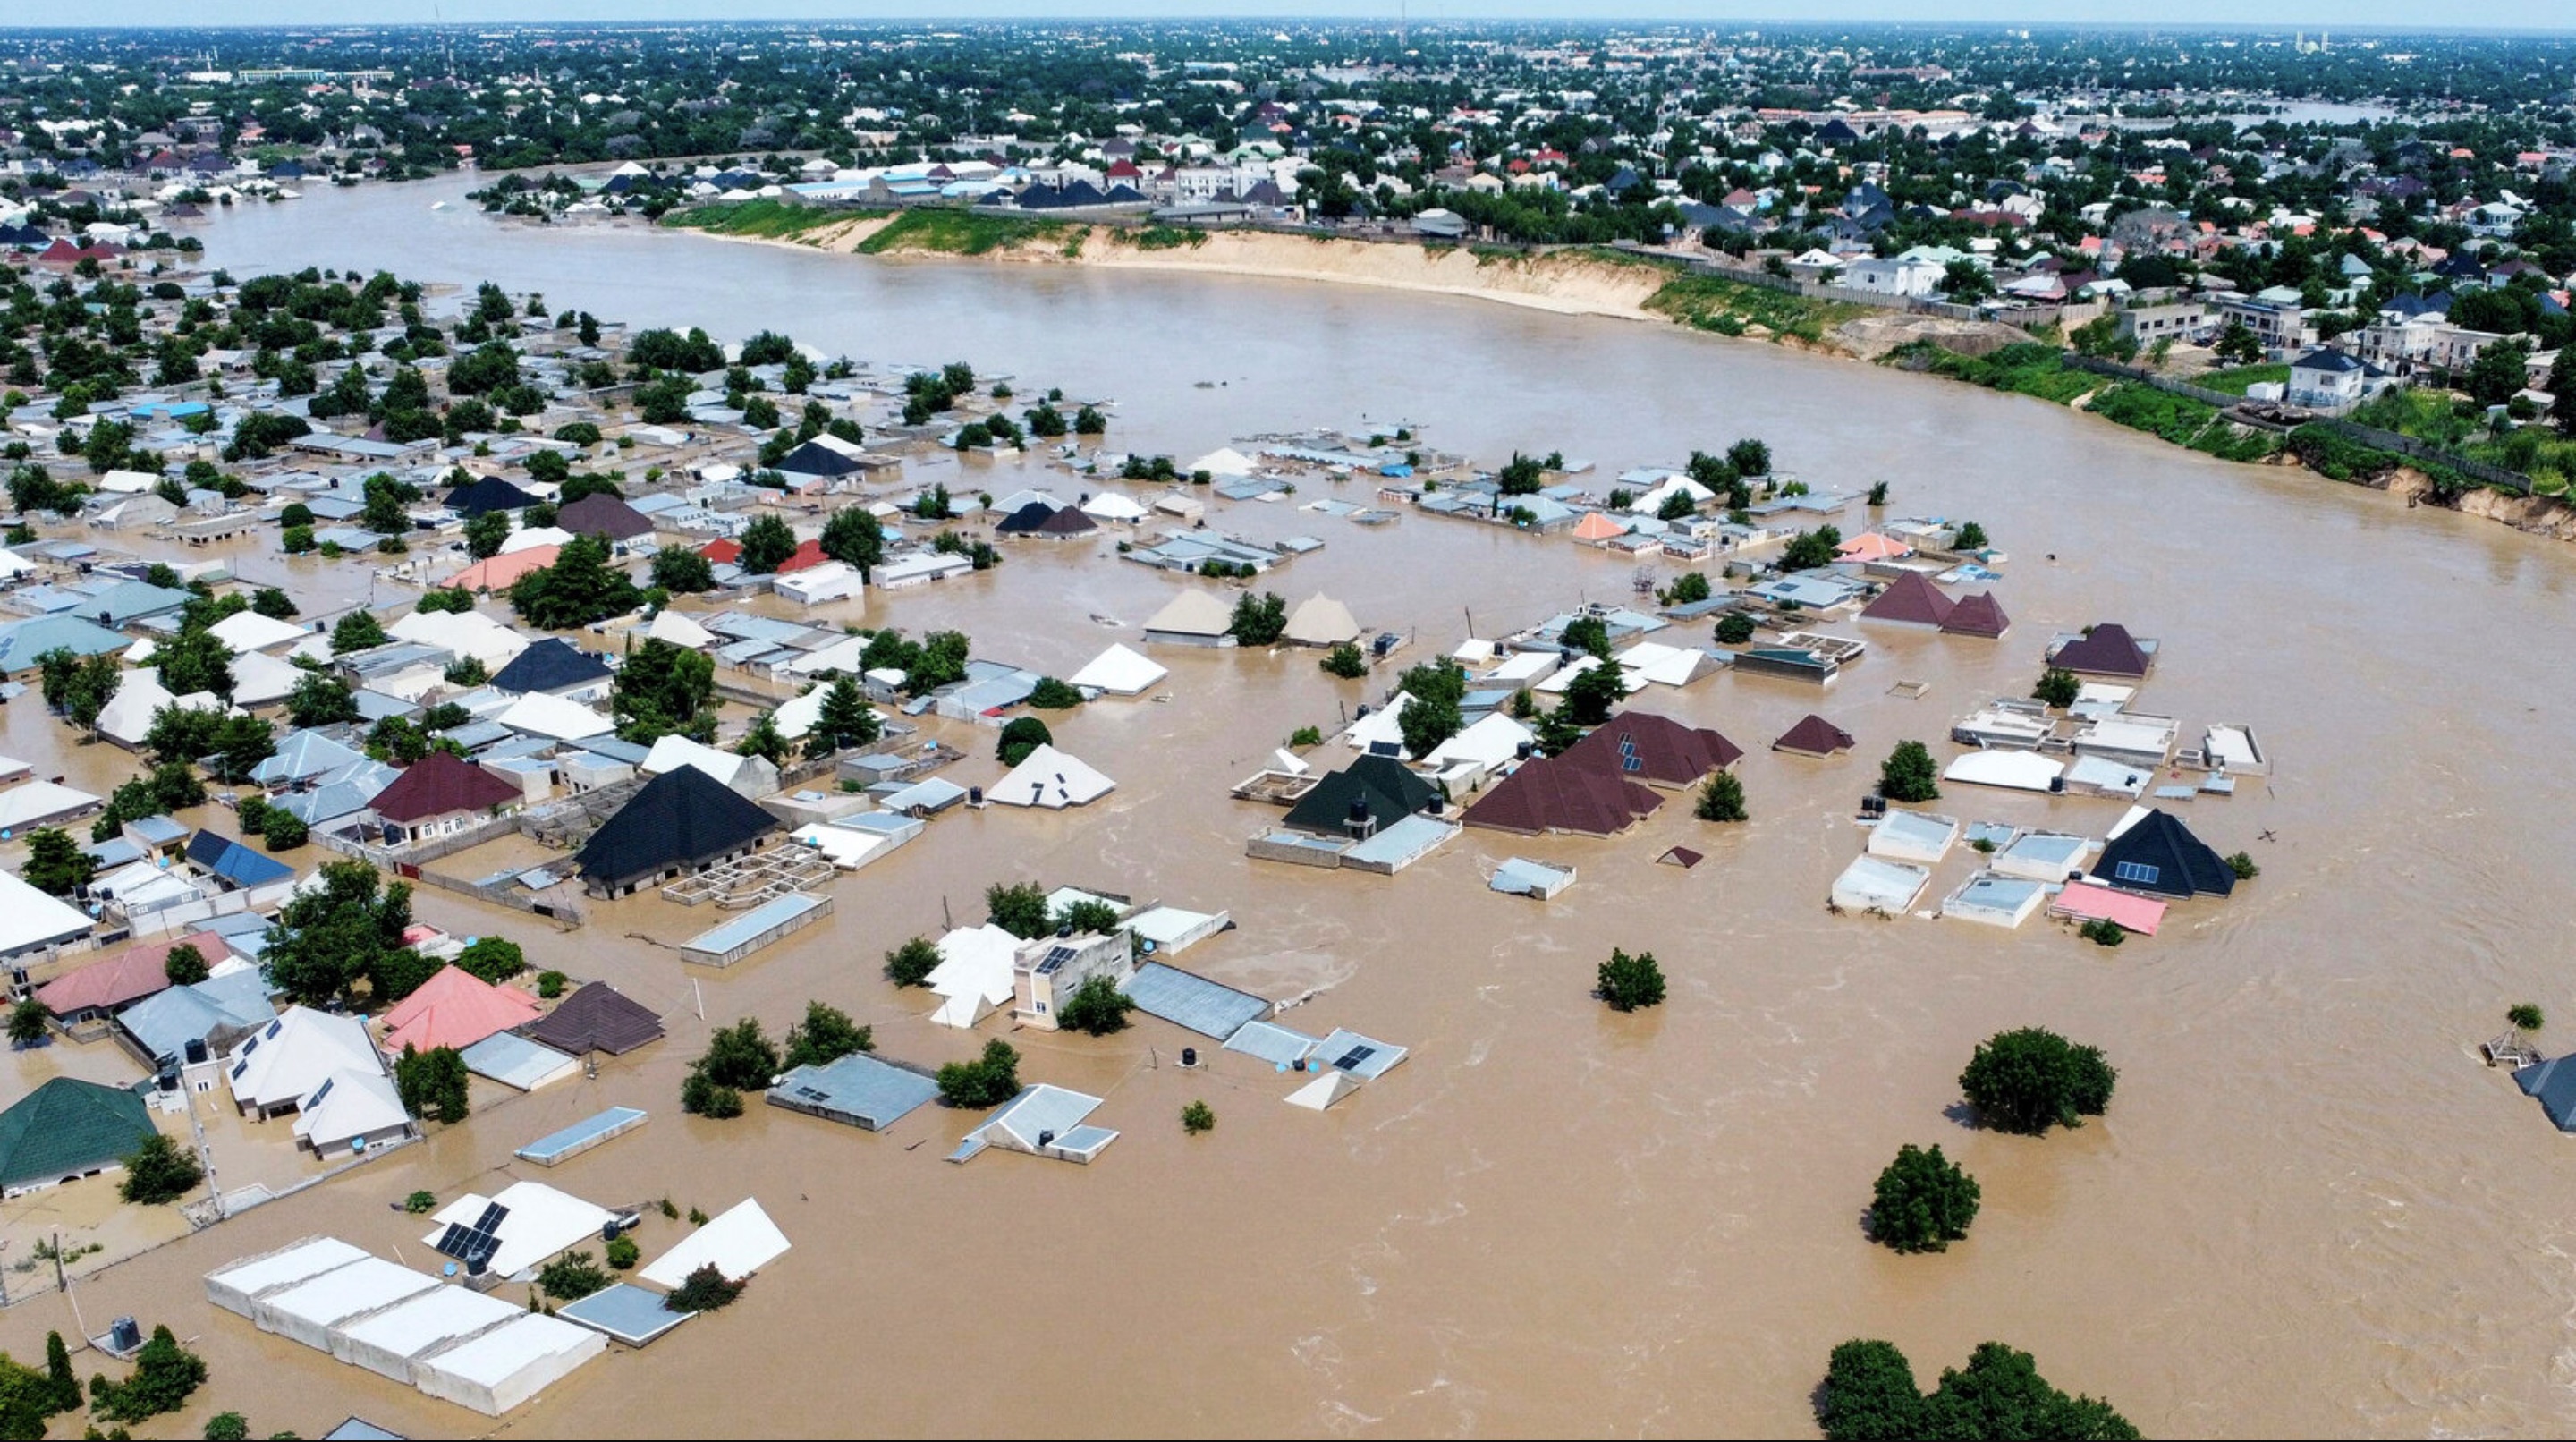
<point x="2310" y="1211"/>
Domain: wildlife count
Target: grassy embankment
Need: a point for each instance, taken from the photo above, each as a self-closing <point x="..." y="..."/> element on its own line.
<point x="2443" y="420"/>
<point x="1732" y="307"/>
<point x="764" y="219"/>
<point x="937" y="231"/>
<point x="2033" y="369"/>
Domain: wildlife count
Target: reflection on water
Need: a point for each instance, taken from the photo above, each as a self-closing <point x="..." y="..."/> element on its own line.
<point x="2308" y="1211"/>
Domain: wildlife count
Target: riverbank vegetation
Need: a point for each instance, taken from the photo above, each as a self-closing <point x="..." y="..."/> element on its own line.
<point x="765" y="219"/>
<point x="1735" y="307"/>
<point x="939" y="231"/>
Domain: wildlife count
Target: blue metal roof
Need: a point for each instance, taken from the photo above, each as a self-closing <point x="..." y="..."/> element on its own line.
<point x="857" y="1088"/>
<point x="626" y="1312"/>
<point x="235" y="863"/>
<point x="589" y="1131"/>
<point x="1192" y="1002"/>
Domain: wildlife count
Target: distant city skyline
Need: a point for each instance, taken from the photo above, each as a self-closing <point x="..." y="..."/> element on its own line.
<point x="2353" y="16"/>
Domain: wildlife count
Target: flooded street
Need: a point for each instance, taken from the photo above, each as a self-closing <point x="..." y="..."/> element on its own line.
<point x="2309" y="1211"/>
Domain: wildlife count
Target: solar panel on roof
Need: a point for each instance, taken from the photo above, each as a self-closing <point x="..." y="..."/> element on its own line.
<point x="812" y="1094"/>
<point x="1354" y="1057"/>
<point x="274" y="1028"/>
<point x="1629" y="760"/>
<point x="452" y="1242"/>
<point x="322" y="1091"/>
<point x="491" y="1218"/>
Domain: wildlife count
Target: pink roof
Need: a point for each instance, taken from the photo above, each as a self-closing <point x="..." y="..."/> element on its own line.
<point x="1597" y="527"/>
<point x="1871" y="546"/>
<point x="130" y="975"/>
<point x="495" y="573"/>
<point x="2100" y="903"/>
<point x="455" y="1008"/>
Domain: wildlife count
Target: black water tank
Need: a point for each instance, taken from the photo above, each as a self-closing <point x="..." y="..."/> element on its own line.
<point x="974" y="795"/>
<point x="608" y="1230"/>
<point x="1046" y="1139"/>
<point x="124" y="1335"/>
<point x="1189" y="1056"/>
<point x="1359" y="809"/>
<point x="194" y="1051"/>
<point x="169" y="1080"/>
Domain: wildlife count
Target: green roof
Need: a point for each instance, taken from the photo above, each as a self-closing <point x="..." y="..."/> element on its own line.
<point x="65" y="1128"/>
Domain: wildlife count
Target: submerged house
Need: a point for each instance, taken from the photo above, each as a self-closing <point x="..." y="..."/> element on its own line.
<point x="683" y="821"/>
<point x="68" y="1129"/>
<point x="1814" y="736"/>
<point x="1045" y="973"/>
<point x="2106" y="650"/>
<point x="2158" y="856"/>
<point x="439" y="795"/>
<point x="1910" y="600"/>
<point x="1657" y="750"/>
<point x="1192" y="618"/>
<point x="1372" y="792"/>
<point x="1552" y="795"/>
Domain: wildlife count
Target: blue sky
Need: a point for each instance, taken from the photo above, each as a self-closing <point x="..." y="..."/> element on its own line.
<point x="2345" y="14"/>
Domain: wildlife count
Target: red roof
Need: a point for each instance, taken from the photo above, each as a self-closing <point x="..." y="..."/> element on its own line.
<point x="1815" y="736"/>
<point x="1549" y="795"/>
<point x="1642" y="746"/>
<point x="455" y="1008"/>
<point x="1978" y="615"/>
<point x="128" y="976"/>
<point x="722" y="552"/>
<point x="438" y="784"/>
<point x="807" y="553"/>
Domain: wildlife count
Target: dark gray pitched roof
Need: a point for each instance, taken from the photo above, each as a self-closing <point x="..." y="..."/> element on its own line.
<point x="550" y="665"/>
<point x="682" y="818"/>
<point x="2159" y="856"/>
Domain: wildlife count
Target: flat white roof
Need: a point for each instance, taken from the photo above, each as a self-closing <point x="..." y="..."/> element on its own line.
<point x="738" y="1243"/>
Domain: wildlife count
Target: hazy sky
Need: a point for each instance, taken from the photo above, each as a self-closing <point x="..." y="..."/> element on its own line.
<point x="2524" y="14"/>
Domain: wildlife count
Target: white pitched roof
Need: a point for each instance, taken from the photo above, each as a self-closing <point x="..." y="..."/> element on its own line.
<point x="30" y="918"/>
<point x="539" y="714"/>
<point x="251" y="631"/>
<point x="286" y="1060"/>
<point x="528" y="538"/>
<point x="259" y="678"/>
<point x="541" y="1221"/>
<point x="1319" y="620"/>
<point x="974" y="973"/>
<point x="1193" y="613"/>
<point x="360" y="1102"/>
<point x="737" y="1243"/>
<point x="678" y="629"/>
<point x="1119" y="671"/>
<point x="1226" y="461"/>
<point x="1111" y="506"/>
<point x="797" y="715"/>
<point x="670" y="753"/>
<point x="1490" y="742"/>
<point x="1052" y="779"/>
<point x="462" y="633"/>
<point x="38" y="801"/>
<point x="127" y="716"/>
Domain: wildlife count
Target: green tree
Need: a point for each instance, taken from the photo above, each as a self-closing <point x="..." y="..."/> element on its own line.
<point x="572" y="1276"/>
<point x="1346" y="661"/>
<point x="1586" y="635"/>
<point x="321" y="699"/>
<point x="1198" y="1118"/>
<point x="1688" y="589"/>
<point x="159" y="1171"/>
<point x="1023" y="735"/>
<point x="2497" y="373"/>
<point x="2525" y="1017"/>
<point x="1749" y="457"/>
<point x="846" y="720"/>
<point x="1593" y="695"/>
<point x="581" y="588"/>
<point x="346" y="930"/>
<point x="1628" y="982"/>
<point x="2029" y="1080"/>
<point x="664" y="690"/>
<point x="27" y="1022"/>
<point x="987" y="1081"/>
<point x="55" y="864"/>
<point x="1722" y="799"/>
<point x="1808" y="550"/>
<point x="241" y="741"/>
<point x="227" y="1427"/>
<point x="1869" y="1395"/>
<point x="1019" y="909"/>
<point x="855" y="537"/>
<point x="1435" y="713"/>
<point x="1259" y="619"/>
<point x="285" y="832"/>
<point x="1908" y="774"/>
<point x="58" y="1375"/>
<point x="700" y="1096"/>
<point x="193" y="661"/>
<point x="623" y="1254"/>
<point x="356" y="631"/>
<point x="825" y="1036"/>
<point x="741" y="1056"/>
<point x="1735" y="628"/>
<point x="165" y="1373"/>
<point x="1965" y="282"/>
<point x="1051" y="694"/>
<point x="432" y="1083"/>
<point x="704" y="1290"/>
<point x="2562" y="389"/>
<point x="2236" y="345"/>
<point x="492" y="959"/>
<point x="912" y="963"/>
<point x="681" y="571"/>
<point x="184" y="965"/>
<point x="1096" y="1008"/>
<point x="1923" y="1202"/>
<point x="766" y="544"/>
<point x="1972" y="537"/>
<point x="2057" y="687"/>
<point x="486" y="534"/>
<point x="2001" y="1394"/>
<point x="1088" y="917"/>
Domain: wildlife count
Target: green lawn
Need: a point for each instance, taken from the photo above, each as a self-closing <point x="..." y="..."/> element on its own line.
<point x="1712" y="302"/>
<point x="2235" y="380"/>
<point x="957" y="232"/>
<point x="774" y="219"/>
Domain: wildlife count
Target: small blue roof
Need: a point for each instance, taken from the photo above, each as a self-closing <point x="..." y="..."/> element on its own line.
<point x="625" y="1312"/>
<point x="1363" y="1057"/>
<point x="1278" y="1045"/>
<point x="22" y="642"/>
<point x="234" y="863"/>
<point x="515" y="1061"/>
<point x="587" y="1132"/>
<point x="857" y="1088"/>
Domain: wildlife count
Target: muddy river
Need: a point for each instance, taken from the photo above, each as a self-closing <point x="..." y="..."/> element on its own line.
<point x="2310" y="1210"/>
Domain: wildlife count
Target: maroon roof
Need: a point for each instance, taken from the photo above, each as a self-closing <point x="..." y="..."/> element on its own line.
<point x="1549" y="795"/>
<point x="1814" y="736"/>
<point x="1978" y="615"/>
<point x="1911" y="600"/>
<point x="596" y="1018"/>
<point x="1642" y="746"/>
<point x="439" y="783"/>
<point x="601" y="514"/>
<point x="2109" y="651"/>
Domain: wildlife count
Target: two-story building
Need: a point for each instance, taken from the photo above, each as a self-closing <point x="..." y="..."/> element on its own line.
<point x="1048" y="971"/>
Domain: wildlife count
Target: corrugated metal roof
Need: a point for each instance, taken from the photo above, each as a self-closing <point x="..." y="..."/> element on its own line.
<point x="1192" y="1002"/>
